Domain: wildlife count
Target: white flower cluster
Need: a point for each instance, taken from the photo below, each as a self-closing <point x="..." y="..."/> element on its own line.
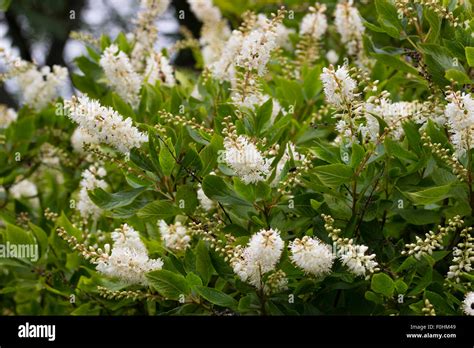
<point x="223" y="69"/>
<point x="92" y="178"/>
<point x="176" y="237"/>
<point x="339" y="87"/>
<point x="25" y="189"/>
<point x="312" y="255"/>
<point x="460" y="119"/>
<point x="158" y="68"/>
<point x="468" y="303"/>
<point x="129" y="259"/>
<point x="282" y="33"/>
<point x="121" y="75"/>
<point x="314" y="23"/>
<point x="214" y="32"/>
<point x="40" y="87"/>
<point x="354" y="257"/>
<point x="463" y="256"/>
<point x="259" y="257"/>
<point x="256" y="48"/>
<point x="245" y="159"/>
<point x="250" y="50"/>
<point x="7" y="116"/>
<point x="349" y="25"/>
<point x="146" y="31"/>
<point x="103" y="124"/>
<point x="394" y="114"/>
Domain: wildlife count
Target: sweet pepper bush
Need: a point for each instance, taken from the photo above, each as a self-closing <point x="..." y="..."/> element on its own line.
<point x="317" y="160"/>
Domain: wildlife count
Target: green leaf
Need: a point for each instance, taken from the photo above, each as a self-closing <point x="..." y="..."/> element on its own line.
<point x="158" y="210"/>
<point x="429" y="195"/>
<point x="209" y="154"/>
<point x="401" y="286"/>
<point x="382" y="284"/>
<point x="167" y="157"/>
<point x="203" y="262"/>
<point x="169" y="284"/>
<point x="358" y="154"/>
<point x="217" y="189"/>
<point x="373" y="297"/>
<point x="109" y="201"/>
<point x="388" y="18"/>
<point x="186" y="198"/>
<point x="439" y="303"/>
<point x="217" y="297"/>
<point x="394" y="148"/>
<point x="457" y="76"/>
<point x="470" y="55"/>
<point x="334" y="175"/>
<point x="422" y="282"/>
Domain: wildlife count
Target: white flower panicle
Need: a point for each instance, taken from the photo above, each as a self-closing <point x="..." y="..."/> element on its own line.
<point x="92" y="178"/>
<point x="282" y="33"/>
<point x="259" y="257"/>
<point x="349" y="25"/>
<point x="205" y="11"/>
<point x="468" y="303"/>
<point x="104" y="125"/>
<point x="38" y="86"/>
<point x="312" y="255"/>
<point x="352" y="255"/>
<point x="146" y="31"/>
<point x="396" y="113"/>
<point x="339" y="87"/>
<point x="128" y="260"/>
<point x="7" y="116"/>
<point x="256" y="49"/>
<point x="158" y="68"/>
<point x="245" y="159"/>
<point x="176" y="237"/>
<point x="460" y="119"/>
<point x="24" y="189"/>
<point x="463" y="256"/>
<point x="314" y="23"/>
<point x="121" y="75"/>
<point x="223" y="69"/>
<point x="358" y="263"/>
<point x="433" y="240"/>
